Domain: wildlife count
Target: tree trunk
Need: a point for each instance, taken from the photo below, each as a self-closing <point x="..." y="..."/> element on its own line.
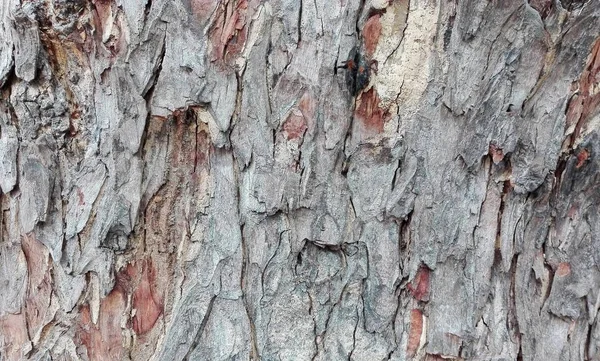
<point x="300" y="180"/>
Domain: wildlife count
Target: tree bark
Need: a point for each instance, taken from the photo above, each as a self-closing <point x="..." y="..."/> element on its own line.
<point x="215" y="180"/>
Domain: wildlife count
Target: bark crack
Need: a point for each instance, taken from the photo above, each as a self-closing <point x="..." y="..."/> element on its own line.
<point x="198" y="335"/>
<point x="299" y="35"/>
<point x="311" y="311"/>
<point x="401" y="37"/>
<point x="354" y="333"/>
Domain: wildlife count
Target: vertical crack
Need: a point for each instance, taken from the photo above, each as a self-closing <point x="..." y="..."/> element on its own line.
<point x="588" y="341"/>
<point x="147" y="9"/>
<point x="238" y="105"/>
<point x="354" y="334"/>
<point x="243" y="279"/>
<point x="148" y="93"/>
<point x="512" y="322"/>
<point x="361" y="8"/>
<point x="300" y="23"/>
<point x="548" y="268"/>
<point x="401" y="37"/>
<point x="311" y="311"/>
<point x="195" y="115"/>
<point x="269" y="74"/>
<point x="396" y="173"/>
<point x="198" y="335"/>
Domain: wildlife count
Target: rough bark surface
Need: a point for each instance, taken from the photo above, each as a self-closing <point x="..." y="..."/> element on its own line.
<point x="198" y="180"/>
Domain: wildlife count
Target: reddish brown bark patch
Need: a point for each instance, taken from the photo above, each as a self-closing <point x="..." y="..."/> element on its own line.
<point x="185" y="180"/>
<point x="103" y="17"/>
<point x="563" y="269"/>
<point x="575" y="108"/>
<point x="573" y="210"/>
<point x="202" y="9"/>
<point x="140" y="279"/>
<point x="583" y="105"/>
<point x="104" y="340"/>
<point x="81" y="197"/>
<point x="496" y="153"/>
<point x="39" y="292"/>
<point x="419" y="286"/>
<point x="295" y="125"/>
<point x="102" y="12"/>
<point x="582" y="157"/>
<point x="228" y="31"/>
<point x="414" y="333"/>
<point x="13" y="329"/>
<point x="371" y="34"/>
<point x="300" y="118"/>
<point x="369" y="112"/>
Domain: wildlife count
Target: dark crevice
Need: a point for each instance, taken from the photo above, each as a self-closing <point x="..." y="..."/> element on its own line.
<point x="512" y="317"/>
<point x="236" y="114"/>
<point x="352" y="206"/>
<point x="354" y="334"/>
<point x="550" y="278"/>
<point x="191" y="114"/>
<point x="326" y="247"/>
<point x="588" y="340"/>
<point x="147" y="95"/>
<point x="344" y="171"/>
<point x="274" y="140"/>
<point x="268" y="263"/>
<point x="506" y="188"/>
<point x="337" y="302"/>
<point x="448" y="32"/>
<point x="542" y="75"/>
<point x="337" y="58"/>
<point x="361" y="8"/>
<point x="302" y="168"/>
<point x="404" y="234"/>
<point x="147" y="9"/>
<point x="396" y="174"/>
<point x="269" y="81"/>
<point x="200" y="331"/>
<point x="10" y="77"/>
<point x="571" y="5"/>
<point x="147" y="199"/>
<point x="300" y="23"/>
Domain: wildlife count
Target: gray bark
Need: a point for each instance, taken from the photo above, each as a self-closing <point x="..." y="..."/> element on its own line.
<point x="195" y="180"/>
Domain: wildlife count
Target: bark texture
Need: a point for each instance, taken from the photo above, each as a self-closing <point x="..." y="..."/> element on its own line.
<point x="196" y="180"/>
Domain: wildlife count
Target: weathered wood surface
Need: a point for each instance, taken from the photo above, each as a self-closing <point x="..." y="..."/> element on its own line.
<point x="192" y="180"/>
